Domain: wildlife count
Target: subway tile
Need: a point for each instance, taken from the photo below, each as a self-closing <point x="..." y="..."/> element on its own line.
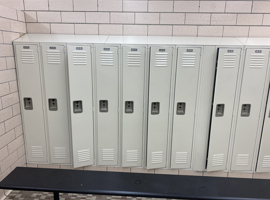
<point x="31" y="165"/>
<point x="21" y="16"/>
<point x="266" y="19"/>
<point x="235" y="31"/>
<point x="48" y="16"/>
<point x="109" y="5"/>
<point x="13" y="122"/>
<point x="10" y="99"/>
<point x="1" y="37"/>
<point x="5" y="114"/>
<point x="4" y="89"/>
<point x="13" y="86"/>
<point x="7" y="75"/>
<point x="3" y="153"/>
<point x="166" y="171"/>
<point x="85" y="5"/>
<point x="135" y="30"/>
<point x="3" y="64"/>
<point x="48" y="166"/>
<point x="147" y="18"/>
<point x="6" y="50"/>
<point x="118" y="169"/>
<point x="9" y="37"/>
<point x="210" y="31"/>
<point x="239" y="175"/>
<point x="10" y="62"/>
<point x="7" y="138"/>
<point x="238" y="6"/>
<point x="15" y="4"/>
<point x="172" y="18"/>
<point x="1" y="107"/>
<point x="190" y="173"/>
<point x="61" y="5"/>
<point x="261" y="7"/>
<point x="30" y="16"/>
<point x="36" y="4"/>
<point x="15" y="144"/>
<point x="17" y="26"/>
<point x="62" y="28"/>
<point x="19" y="163"/>
<point x="159" y="30"/>
<point x="106" y="29"/>
<point x="18" y="131"/>
<point x="7" y="162"/>
<point x="2" y="128"/>
<point x="38" y="28"/>
<point x="4" y="174"/>
<point x="216" y="174"/>
<point x="135" y="6"/>
<point x="212" y="6"/>
<point x="122" y="18"/>
<point x="73" y="17"/>
<point x="186" y="6"/>
<point x="16" y="109"/>
<point x="4" y="24"/>
<point x="97" y="17"/>
<point x="223" y="19"/>
<point x="160" y="6"/>
<point x="2" y="194"/>
<point x="7" y="12"/>
<point x="197" y="18"/>
<point x="95" y="168"/>
<point x="86" y="29"/>
<point x="256" y="31"/>
<point x="249" y="19"/>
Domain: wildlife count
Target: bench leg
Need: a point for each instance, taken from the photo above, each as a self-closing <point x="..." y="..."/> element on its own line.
<point x="56" y="195"/>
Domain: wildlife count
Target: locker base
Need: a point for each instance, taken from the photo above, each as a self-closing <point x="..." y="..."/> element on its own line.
<point x="56" y="195"/>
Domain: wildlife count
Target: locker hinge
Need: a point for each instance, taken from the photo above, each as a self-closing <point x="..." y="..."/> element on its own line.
<point x="117" y="51"/>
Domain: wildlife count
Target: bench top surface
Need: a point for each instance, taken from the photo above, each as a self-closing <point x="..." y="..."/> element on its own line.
<point x="135" y="184"/>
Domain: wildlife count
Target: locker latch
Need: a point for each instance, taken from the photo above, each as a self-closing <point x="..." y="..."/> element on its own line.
<point x="181" y="108"/>
<point x="77" y="107"/>
<point x="129" y="107"/>
<point x="53" y="105"/>
<point x="220" y="110"/>
<point x="245" y="111"/>
<point x="103" y="106"/>
<point x="28" y="104"/>
<point x="155" y="108"/>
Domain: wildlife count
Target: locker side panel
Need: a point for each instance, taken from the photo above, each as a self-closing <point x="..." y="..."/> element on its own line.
<point x="159" y="104"/>
<point x="188" y="64"/>
<point x="253" y="85"/>
<point x="80" y="86"/>
<point x="28" y="65"/>
<point x="133" y="87"/>
<point x="223" y="107"/>
<point x="107" y="104"/>
<point x="56" y="99"/>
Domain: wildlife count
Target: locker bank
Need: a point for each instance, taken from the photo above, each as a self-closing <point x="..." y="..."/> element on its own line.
<point x="152" y="102"/>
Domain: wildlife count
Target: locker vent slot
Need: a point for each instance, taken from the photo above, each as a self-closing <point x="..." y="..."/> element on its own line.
<point x="229" y="60"/>
<point x="266" y="161"/>
<point x="60" y="152"/>
<point x="107" y="154"/>
<point x="242" y="159"/>
<point x="157" y="157"/>
<point x="217" y="160"/>
<point x="83" y="155"/>
<point x="27" y="56"/>
<point x="134" y="59"/>
<point x="53" y="57"/>
<point x="132" y="155"/>
<point x="79" y="58"/>
<point x="106" y="58"/>
<point x="256" y="60"/>
<point x="188" y="59"/>
<point x="181" y="157"/>
<point x="37" y="151"/>
<point x="161" y="59"/>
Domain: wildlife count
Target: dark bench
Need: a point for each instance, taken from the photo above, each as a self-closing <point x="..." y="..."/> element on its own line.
<point x="135" y="184"/>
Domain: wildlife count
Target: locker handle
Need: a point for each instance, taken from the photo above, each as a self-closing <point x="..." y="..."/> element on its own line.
<point x="103" y="106"/>
<point x="245" y="110"/>
<point x="181" y="108"/>
<point x="220" y="110"/>
<point x="28" y="103"/>
<point x="77" y="107"/>
<point x="155" y="108"/>
<point x="53" y="105"/>
<point x="129" y="107"/>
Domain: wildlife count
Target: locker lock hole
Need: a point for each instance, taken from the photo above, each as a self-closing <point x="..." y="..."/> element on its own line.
<point x="103" y="106"/>
<point x="53" y="105"/>
<point x="77" y="107"/>
<point x="155" y="108"/>
<point x="220" y="110"/>
<point x="245" y="110"/>
<point x="28" y="103"/>
<point x="181" y="108"/>
<point x="129" y="107"/>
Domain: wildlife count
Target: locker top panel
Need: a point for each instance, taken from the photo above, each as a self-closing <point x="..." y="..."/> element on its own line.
<point x="254" y="41"/>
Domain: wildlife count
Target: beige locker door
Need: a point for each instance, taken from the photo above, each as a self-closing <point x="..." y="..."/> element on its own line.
<point x="133" y="89"/>
<point x="107" y="104"/>
<point x="159" y="105"/>
<point x="227" y="74"/>
<point x="28" y="66"/>
<point x="81" y="104"/>
<point x="56" y="99"/>
<point x="187" y="75"/>
<point x="251" y="97"/>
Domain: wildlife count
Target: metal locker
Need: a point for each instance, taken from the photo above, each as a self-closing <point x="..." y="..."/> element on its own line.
<point x="133" y="88"/>
<point x="81" y="104"/>
<point x="159" y="105"/>
<point x="263" y="164"/>
<point x="187" y="75"/>
<point x="255" y="79"/>
<point x="28" y="66"/>
<point x="107" y="104"/>
<point x="227" y="74"/>
<point x="56" y="100"/>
